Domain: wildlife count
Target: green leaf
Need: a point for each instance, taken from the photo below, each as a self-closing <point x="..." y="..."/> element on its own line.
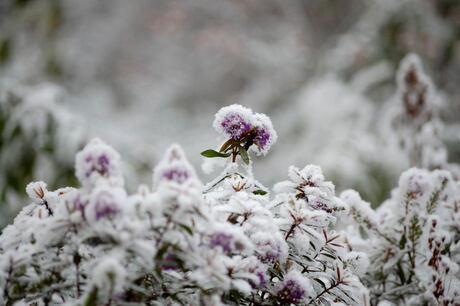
<point x="320" y="282"/>
<point x="402" y="242"/>
<point x="91" y="300"/>
<point x="260" y="192"/>
<point x="186" y="228"/>
<point x="162" y="251"/>
<point x="211" y="153"/>
<point x="328" y="255"/>
<point x="244" y="154"/>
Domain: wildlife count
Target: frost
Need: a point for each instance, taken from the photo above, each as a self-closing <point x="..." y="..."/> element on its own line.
<point x="98" y="161"/>
<point x="235" y="121"/>
<point x="231" y="241"/>
<point x="173" y="168"/>
<point x="294" y="287"/>
<point x="36" y="191"/>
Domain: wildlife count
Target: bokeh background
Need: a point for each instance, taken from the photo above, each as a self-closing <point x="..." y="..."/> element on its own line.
<point x="144" y="74"/>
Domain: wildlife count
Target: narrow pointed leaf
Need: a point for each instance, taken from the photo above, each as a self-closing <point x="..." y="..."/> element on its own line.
<point x="211" y="153"/>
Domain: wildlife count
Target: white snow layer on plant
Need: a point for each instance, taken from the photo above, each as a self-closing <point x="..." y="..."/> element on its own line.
<point x="232" y="240"/>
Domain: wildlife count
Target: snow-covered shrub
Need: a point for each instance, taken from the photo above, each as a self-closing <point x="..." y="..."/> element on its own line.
<point x="180" y="242"/>
<point x="412" y="240"/>
<point x="38" y="137"/>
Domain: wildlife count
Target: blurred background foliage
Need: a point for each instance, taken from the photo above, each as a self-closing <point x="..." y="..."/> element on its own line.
<point x="143" y="74"/>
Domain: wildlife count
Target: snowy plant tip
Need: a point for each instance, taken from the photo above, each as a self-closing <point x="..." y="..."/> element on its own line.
<point x="98" y="162"/>
<point x="414" y="85"/>
<point x="245" y="131"/>
<point x="173" y="168"/>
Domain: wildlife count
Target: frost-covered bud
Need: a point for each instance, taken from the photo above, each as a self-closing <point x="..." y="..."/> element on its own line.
<point x="230" y="239"/>
<point x="294" y="287"/>
<point x="98" y="162"/>
<point x="270" y="247"/>
<point x="257" y="277"/>
<point x="265" y="134"/>
<point x="105" y="202"/>
<point x="36" y="191"/>
<point x="234" y="120"/>
<point x="174" y="167"/>
<point x="415" y="183"/>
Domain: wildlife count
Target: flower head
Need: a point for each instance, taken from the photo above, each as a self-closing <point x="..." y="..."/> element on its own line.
<point x="174" y="167"/>
<point x="98" y="162"/>
<point x="234" y="120"/>
<point x="294" y="287"/>
<point x="105" y="202"/>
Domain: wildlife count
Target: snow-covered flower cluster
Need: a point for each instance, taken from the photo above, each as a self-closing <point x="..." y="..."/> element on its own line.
<point x="245" y="130"/>
<point x="232" y="240"/>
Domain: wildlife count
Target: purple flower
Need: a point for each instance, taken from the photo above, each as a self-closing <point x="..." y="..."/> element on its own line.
<point x="98" y="161"/>
<point x="261" y="277"/>
<point x="174" y="167"/>
<point x="235" y="126"/>
<point x="170" y="263"/>
<point x="99" y="165"/>
<point x="292" y="291"/>
<point x="234" y="120"/>
<point x="270" y="247"/>
<point x="178" y="175"/>
<point x="293" y="287"/>
<point x="262" y="138"/>
<point x="265" y="135"/>
<point x="105" y="207"/>
<point x="271" y="251"/>
<point x="223" y="240"/>
<point x="105" y="202"/>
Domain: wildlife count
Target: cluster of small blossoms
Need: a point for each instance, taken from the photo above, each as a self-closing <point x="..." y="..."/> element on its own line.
<point x="243" y="131"/>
